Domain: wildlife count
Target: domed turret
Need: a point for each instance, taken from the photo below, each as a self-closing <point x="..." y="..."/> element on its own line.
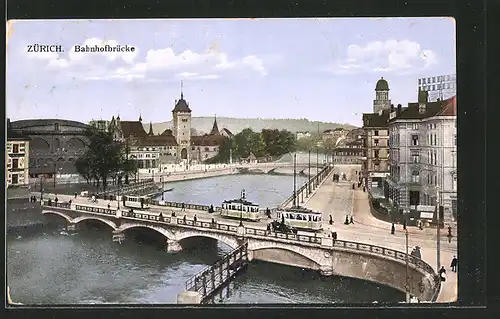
<point x="382" y="85"/>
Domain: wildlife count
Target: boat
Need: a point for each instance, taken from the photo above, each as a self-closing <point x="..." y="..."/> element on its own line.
<point x="240" y="208"/>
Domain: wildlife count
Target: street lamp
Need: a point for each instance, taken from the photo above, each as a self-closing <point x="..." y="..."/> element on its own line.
<point x="162" y="188"/>
<point x="309" y="184"/>
<point x="55" y="173"/>
<point x="407" y="288"/>
<point x="118" y="197"/>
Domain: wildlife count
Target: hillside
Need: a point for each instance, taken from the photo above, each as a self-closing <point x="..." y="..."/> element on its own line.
<point x="235" y="125"/>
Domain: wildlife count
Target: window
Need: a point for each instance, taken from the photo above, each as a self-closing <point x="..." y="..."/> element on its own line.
<point x="184" y="120"/>
<point x="433" y="87"/>
<point x="376" y="133"/>
<point x="15" y="163"/>
<point x="56" y="126"/>
<point x="423" y="80"/>
<point x="454" y="181"/>
<point x="435" y="179"/>
<point x="414" y="140"/>
<point x="419" y="81"/>
<point x="415" y="157"/>
<point x="415" y="177"/>
<point x="375" y="141"/>
<point x="375" y="153"/>
<point x="455" y="140"/>
<point x="207" y="149"/>
<point x="435" y="139"/>
<point x="415" y="126"/>
<point x="433" y="79"/>
<point x="15" y="148"/>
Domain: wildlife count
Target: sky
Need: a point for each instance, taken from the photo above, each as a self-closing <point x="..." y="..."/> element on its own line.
<point x="319" y="69"/>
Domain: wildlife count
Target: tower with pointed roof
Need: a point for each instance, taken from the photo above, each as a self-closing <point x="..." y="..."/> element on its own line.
<point x="381" y="101"/>
<point x="181" y="127"/>
<point x="150" y="133"/>
<point x="215" y="128"/>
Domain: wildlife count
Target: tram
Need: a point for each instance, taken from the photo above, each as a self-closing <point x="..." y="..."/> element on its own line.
<point x="141" y="202"/>
<point x="301" y="218"/>
<point x="240" y="209"/>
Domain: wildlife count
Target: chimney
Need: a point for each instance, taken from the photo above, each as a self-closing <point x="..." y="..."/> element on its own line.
<point x="392" y="108"/>
<point x="398" y="113"/>
<point x="423" y="98"/>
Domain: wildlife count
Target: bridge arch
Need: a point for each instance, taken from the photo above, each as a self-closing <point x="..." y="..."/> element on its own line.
<point x="102" y="220"/>
<point x="282" y="254"/>
<point x="231" y="242"/>
<point x="63" y="215"/>
<point x="166" y="233"/>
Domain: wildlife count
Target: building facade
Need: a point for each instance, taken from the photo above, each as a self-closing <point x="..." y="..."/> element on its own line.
<point x="335" y="134"/>
<point x="424" y="155"/>
<point x="351" y="152"/>
<point x="17" y="158"/>
<point x="55" y="145"/>
<point x="376" y="136"/>
<point x="175" y="145"/>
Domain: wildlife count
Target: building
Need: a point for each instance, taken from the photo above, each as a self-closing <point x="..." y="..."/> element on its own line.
<point x="382" y="101"/>
<point x="303" y="134"/>
<point x="17" y="158"/>
<point x="335" y="134"/>
<point x="351" y="152"/>
<point x="175" y="145"/>
<point x="101" y="125"/>
<point x="226" y="133"/>
<point x="424" y="154"/>
<point x="55" y="145"/>
<point x="376" y="136"/>
<point x="355" y="134"/>
<point x="439" y="87"/>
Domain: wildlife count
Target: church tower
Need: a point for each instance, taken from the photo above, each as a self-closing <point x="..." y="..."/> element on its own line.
<point x="181" y="128"/>
<point x="381" y="101"/>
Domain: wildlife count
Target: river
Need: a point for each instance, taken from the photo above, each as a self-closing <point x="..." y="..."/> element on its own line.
<point x="47" y="266"/>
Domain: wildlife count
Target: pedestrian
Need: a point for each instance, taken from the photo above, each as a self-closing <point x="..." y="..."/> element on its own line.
<point x="161" y="216"/>
<point x="56" y="200"/>
<point x="454" y="264"/>
<point x="420" y="225"/>
<point x="393" y="229"/>
<point x="364" y="189"/>
<point x="70" y="201"/>
<point x="76" y="194"/>
<point x="194" y="218"/>
<point x="346" y="220"/>
<point x="442" y="273"/>
<point x="404" y="224"/>
<point x="352" y="220"/>
<point x="184" y="219"/>
<point x="183" y="207"/>
<point x="331" y="220"/>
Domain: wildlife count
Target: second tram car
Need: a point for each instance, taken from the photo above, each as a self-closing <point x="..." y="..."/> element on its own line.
<point x="240" y="209"/>
<point x="141" y="202"/>
<point x="301" y="218"/>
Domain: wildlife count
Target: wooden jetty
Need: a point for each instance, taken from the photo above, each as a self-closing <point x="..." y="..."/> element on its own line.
<point x="204" y="285"/>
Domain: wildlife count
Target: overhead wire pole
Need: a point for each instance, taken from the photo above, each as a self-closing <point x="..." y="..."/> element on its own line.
<point x="294" y="180"/>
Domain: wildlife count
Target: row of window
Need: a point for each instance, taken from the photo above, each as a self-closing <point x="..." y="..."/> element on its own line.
<point x="207" y="149"/>
<point x="15" y="148"/>
<point x="440" y="78"/>
<point x="443" y="86"/>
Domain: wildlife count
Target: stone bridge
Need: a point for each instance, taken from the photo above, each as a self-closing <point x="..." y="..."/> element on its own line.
<point x="276" y="167"/>
<point x="357" y="260"/>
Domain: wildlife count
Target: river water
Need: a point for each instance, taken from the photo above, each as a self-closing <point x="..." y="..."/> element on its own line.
<point x="48" y="266"/>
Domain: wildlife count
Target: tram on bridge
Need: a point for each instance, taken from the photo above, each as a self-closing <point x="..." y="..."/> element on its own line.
<point x="141" y="202"/>
<point x="240" y="209"/>
<point x="301" y="218"/>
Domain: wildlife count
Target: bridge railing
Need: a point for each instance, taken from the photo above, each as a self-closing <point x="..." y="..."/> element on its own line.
<point x="186" y="205"/>
<point x="52" y="203"/>
<point x="288" y="236"/>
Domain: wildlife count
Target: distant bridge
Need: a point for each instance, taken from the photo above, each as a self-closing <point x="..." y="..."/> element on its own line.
<point x="270" y="168"/>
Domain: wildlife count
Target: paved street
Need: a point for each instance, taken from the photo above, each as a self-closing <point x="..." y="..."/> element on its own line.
<point x="331" y="197"/>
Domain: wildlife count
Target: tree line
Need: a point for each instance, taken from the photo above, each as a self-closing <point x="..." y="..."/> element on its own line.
<point x="266" y="143"/>
<point x="105" y="159"/>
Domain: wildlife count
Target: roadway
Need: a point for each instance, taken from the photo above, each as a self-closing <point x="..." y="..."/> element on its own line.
<point x="339" y="199"/>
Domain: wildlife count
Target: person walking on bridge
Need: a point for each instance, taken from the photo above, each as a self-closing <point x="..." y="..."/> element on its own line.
<point x="183" y="207"/>
<point x="393" y="229"/>
<point x="331" y="220"/>
<point x="351" y="221"/>
<point x="442" y="273"/>
<point x="346" y="222"/>
<point x="194" y="218"/>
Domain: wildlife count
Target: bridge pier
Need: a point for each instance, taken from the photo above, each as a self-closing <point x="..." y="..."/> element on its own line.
<point x="173" y="246"/>
<point x="326" y="271"/>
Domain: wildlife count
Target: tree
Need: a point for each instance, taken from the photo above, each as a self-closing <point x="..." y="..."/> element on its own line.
<point x="103" y="158"/>
<point x="224" y="152"/>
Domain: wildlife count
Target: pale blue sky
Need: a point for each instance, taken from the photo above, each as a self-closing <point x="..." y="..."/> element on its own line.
<point x="320" y="69"/>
